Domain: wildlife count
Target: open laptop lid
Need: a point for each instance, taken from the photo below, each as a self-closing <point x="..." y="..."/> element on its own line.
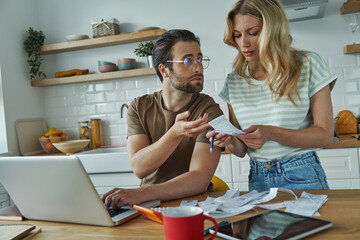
<point x="55" y="188"/>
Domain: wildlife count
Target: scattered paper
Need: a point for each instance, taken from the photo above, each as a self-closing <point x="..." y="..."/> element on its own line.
<point x="233" y="203"/>
<point x="188" y="202"/>
<point x="223" y="125"/>
<point x="307" y="204"/>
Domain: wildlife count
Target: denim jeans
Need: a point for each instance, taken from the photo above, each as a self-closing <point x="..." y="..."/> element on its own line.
<point x="302" y="172"/>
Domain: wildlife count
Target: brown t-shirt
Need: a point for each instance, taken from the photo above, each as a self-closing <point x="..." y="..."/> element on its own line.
<point x="147" y="115"/>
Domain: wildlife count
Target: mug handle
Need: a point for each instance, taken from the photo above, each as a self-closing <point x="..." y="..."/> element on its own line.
<point x="215" y="224"/>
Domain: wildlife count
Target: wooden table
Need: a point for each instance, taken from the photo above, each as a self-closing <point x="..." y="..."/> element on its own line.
<point x="342" y="208"/>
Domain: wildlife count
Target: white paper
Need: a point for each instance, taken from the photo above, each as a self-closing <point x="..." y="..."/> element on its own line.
<point x="189" y="203"/>
<point x="307" y="204"/>
<point x="223" y="125"/>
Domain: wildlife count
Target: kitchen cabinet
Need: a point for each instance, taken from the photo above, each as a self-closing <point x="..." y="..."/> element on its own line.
<point x="98" y="43"/>
<point x="348" y="7"/>
<point x="341" y="166"/>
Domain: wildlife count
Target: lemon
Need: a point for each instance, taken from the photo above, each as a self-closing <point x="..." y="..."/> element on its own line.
<point x="52" y="130"/>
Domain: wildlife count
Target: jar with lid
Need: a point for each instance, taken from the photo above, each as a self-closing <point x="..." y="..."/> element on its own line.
<point x="84" y="129"/>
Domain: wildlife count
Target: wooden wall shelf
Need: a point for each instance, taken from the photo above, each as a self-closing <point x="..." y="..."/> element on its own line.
<point x="350" y="7"/>
<point x="101" y="41"/>
<point x="93" y="77"/>
<point x="353" y="48"/>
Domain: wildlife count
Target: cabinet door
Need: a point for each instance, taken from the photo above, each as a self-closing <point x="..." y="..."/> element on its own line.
<point x="341" y="167"/>
<point x="223" y="170"/>
<point x="106" y="182"/>
<point x="240" y="172"/>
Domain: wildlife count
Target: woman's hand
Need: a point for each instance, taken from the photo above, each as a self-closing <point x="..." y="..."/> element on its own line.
<point x="256" y="136"/>
<point x="221" y="140"/>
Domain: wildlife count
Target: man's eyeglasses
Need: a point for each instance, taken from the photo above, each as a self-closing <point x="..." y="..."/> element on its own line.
<point x="190" y="63"/>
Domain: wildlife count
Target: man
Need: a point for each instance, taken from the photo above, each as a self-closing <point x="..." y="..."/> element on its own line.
<point x="167" y="145"/>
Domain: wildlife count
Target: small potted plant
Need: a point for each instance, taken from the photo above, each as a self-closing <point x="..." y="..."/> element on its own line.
<point x="32" y="47"/>
<point x="146" y="50"/>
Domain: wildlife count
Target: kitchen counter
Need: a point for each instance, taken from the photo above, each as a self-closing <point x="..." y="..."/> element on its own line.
<point x="346" y="141"/>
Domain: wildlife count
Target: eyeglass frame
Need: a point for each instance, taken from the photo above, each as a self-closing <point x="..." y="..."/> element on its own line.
<point x="206" y="58"/>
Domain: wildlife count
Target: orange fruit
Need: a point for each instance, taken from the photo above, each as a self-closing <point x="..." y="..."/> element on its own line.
<point x="50" y="147"/>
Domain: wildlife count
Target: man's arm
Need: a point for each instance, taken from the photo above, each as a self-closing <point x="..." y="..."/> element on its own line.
<point x="202" y="167"/>
<point x="146" y="158"/>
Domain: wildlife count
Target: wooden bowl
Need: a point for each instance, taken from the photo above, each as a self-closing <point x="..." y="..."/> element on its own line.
<point x="72" y="146"/>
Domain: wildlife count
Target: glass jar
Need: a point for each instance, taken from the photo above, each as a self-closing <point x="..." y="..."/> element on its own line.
<point x="84" y="130"/>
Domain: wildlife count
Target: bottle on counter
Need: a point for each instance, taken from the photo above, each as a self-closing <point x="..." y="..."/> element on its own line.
<point x="96" y="133"/>
<point x="84" y="130"/>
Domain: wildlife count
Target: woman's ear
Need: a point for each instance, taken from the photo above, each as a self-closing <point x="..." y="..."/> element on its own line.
<point x="163" y="70"/>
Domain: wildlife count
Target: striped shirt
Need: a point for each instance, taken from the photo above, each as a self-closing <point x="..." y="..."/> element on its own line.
<point x="253" y="105"/>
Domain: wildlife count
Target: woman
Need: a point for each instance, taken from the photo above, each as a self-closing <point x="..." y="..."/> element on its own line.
<point x="280" y="96"/>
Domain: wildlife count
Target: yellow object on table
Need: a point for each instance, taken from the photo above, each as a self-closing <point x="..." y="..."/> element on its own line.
<point x="347" y="123"/>
<point x="72" y="72"/>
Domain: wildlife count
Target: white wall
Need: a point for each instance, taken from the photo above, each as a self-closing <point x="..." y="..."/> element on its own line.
<point x="20" y="99"/>
<point x="66" y="105"/>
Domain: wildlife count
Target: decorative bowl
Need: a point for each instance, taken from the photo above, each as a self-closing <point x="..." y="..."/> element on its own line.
<point x="126" y="65"/>
<point x="72" y="146"/>
<point x="75" y="37"/>
<point x="101" y="63"/>
<point x="107" y="68"/>
<point x="126" y="60"/>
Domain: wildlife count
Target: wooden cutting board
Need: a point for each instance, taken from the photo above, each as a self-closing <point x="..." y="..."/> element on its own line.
<point x="29" y="131"/>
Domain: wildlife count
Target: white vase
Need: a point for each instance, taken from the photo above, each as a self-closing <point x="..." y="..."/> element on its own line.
<point x="150" y="61"/>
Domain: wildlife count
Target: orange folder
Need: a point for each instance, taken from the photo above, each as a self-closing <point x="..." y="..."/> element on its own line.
<point x="149" y="213"/>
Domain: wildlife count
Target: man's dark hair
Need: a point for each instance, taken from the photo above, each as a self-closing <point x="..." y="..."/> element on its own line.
<point x="164" y="44"/>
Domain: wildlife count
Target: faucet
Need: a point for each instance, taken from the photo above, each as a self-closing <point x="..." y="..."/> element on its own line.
<point x="122" y="108"/>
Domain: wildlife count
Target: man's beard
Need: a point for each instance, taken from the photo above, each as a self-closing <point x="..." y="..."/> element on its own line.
<point x="181" y="83"/>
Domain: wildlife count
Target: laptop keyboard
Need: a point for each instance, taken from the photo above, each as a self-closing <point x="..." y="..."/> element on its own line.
<point x="116" y="211"/>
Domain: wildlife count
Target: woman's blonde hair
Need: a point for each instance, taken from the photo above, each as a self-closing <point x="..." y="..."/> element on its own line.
<point x="281" y="61"/>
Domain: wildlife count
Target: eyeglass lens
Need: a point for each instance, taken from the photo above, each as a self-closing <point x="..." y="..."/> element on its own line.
<point x="190" y="62"/>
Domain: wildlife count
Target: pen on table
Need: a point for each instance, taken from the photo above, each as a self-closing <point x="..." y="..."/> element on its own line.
<point x="212" y="141"/>
<point x="207" y="231"/>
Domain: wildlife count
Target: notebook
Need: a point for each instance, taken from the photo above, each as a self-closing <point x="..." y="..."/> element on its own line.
<point x="57" y="188"/>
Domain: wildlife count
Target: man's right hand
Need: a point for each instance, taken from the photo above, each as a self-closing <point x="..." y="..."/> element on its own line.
<point x="182" y="127"/>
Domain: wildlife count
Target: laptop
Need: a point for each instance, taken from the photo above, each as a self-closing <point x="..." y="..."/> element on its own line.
<point x="57" y="188"/>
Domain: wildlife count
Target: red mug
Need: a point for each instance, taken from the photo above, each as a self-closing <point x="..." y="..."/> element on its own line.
<point x="185" y="223"/>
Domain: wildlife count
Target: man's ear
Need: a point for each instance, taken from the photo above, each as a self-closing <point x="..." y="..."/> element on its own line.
<point x="164" y="71"/>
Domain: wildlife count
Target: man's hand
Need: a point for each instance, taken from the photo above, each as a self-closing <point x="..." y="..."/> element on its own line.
<point x="182" y="127"/>
<point x="221" y="140"/>
<point x="118" y="197"/>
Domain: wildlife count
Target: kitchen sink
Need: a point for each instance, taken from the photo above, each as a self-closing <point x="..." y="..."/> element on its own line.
<point x="105" y="160"/>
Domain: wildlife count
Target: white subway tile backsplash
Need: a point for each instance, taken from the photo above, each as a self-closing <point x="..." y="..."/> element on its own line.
<point x="147" y="82"/>
<point x="85" y="110"/>
<point x="107" y="86"/>
<point x="351" y="87"/>
<point x="105" y="108"/>
<point x="353" y="99"/>
<point x="134" y="93"/>
<point x="338" y="100"/>
<point x="83" y="88"/>
<point x="342" y="61"/>
<point x="75" y="100"/>
<point x="95" y="97"/>
<point x="352" y="73"/>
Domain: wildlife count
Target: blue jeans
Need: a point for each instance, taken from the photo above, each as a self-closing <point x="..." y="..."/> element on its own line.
<point x="302" y="172"/>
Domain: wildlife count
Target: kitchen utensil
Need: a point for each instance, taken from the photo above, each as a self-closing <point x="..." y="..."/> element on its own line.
<point x="72" y="146"/>
<point x="28" y="131"/>
<point x="75" y="37"/>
